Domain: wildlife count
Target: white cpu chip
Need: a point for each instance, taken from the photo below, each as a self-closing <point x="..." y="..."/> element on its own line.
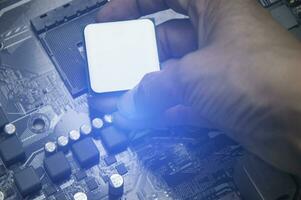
<point x="119" y="54"/>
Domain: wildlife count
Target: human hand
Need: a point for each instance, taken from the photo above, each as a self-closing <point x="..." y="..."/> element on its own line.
<point x="242" y="76"/>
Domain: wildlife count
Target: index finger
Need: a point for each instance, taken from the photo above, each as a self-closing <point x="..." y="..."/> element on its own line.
<point x="117" y="10"/>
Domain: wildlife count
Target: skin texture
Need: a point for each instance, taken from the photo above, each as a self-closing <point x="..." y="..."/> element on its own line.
<point x="230" y="66"/>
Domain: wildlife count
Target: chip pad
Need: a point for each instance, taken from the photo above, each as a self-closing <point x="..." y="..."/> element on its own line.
<point x="119" y="54"/>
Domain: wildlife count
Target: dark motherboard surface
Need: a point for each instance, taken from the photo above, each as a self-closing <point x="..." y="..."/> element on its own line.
<point x="51" y="148"/>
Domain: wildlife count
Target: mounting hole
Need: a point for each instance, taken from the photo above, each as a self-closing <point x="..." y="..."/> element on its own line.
<point x="39" y="123"/>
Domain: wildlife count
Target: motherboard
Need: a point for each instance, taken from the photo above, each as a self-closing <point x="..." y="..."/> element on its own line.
<point x="51" y="147"/>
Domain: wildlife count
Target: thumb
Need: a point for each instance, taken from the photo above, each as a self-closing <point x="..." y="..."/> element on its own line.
<point x="156" y="92"/>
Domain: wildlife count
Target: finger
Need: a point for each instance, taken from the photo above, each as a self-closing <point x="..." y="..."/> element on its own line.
<point x="181" y="116"/>
<point x="156" y="92"/>
<point x="129" y="9"/>
<point x="100" y="104"/>
<point x="169" y="44"/>
<point x="176" y="38"/>
<point x="174" y="117"/>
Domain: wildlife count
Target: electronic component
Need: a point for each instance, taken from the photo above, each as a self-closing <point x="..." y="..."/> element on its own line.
<point x="92" y="184"/>
<point x="116" y="185"/>
<point x="62" y="29"/>
<point x="80" y="196"/>
<point x="11" y="150"/>
<point x="70" y="64"/>
<point x="114" y="139"/>
<point x="74" y="136"/>
<point x="50" y="190"/>
<point x="110" y="160"/>
<point x="284" y="16"/>
<point x="97" y="125"/>
<point x="105" y="178"/>
<point x="9" y="129"/>
<point x="60" y="196"/>
<point x="85" y="130"/>
<point x="63" y="14"/>
<point x="3" y="118"/>
<point x="80" y="175"/>
<point x="86" y="152"/>
<point x="2" y="196"/>
<point x="57" y="167"/>
<point x="96" y="195"/>
<point x="63" y="143"/>
<point x="121" y="169"/>
<point x="104" y="44"/>
<point x="27" y="181"/>
<point x="50" y="148"/>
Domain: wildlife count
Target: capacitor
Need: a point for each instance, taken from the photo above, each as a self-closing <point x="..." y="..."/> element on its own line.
<point x="97" y="125"/>
<point x="9" y="129"/>
<point x="108" y="119"/>
<point x="86" y="130"/>
<point x="50" y="148"/>
<point x="116" y="184"/>
<point x="74" y="136"/>
<point x="80" y="196"/>
<point x="63" y="143"/>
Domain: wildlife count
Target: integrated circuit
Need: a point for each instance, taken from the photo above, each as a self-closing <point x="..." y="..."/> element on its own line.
<point x="11" y="150"/>
<point x="114" y="139"/>
<point x="121" y="169"/>
<point x="80" y="175"/>
<point x="57" y="167"/>
<point x="92" y="184"/>
<point x="86" y="152"/>
<point x="27" y="181"/>
<point x="110" y="160"/>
